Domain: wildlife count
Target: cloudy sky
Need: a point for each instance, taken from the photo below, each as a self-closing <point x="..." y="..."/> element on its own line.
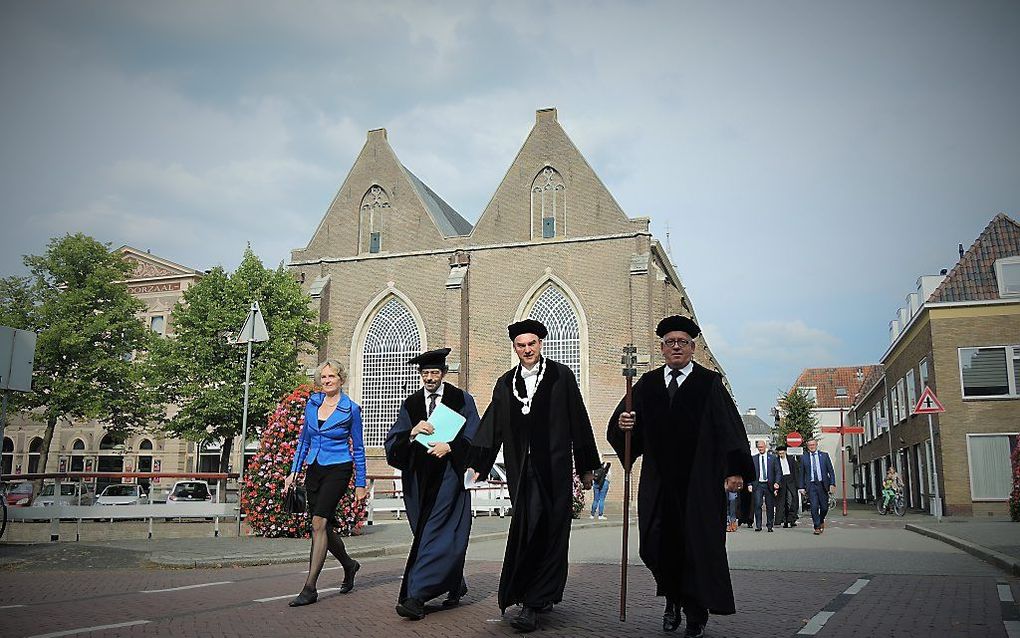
<point x="809" y="159"/>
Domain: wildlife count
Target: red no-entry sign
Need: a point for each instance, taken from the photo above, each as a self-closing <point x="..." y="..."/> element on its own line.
<point x="794" y="439"/>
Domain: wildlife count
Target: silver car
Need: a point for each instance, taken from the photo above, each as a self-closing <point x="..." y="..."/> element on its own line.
<point x="122" y="494"/>
<point x="70" y="494"/>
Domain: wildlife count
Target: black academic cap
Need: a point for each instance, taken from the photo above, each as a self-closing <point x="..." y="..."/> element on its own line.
<point x="528" y="326"/>
<point x="677" y="322"/>
<point x="435" y="359"/>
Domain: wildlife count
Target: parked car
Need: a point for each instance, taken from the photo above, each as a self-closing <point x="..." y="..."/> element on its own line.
<point x="19" y="494"/>
<point x="122" y="494"/>
<point x="70" y="494"/>
<point x="189" y="491"/>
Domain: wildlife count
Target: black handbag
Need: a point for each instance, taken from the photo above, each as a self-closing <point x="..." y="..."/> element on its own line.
<point x="294" y="501"/>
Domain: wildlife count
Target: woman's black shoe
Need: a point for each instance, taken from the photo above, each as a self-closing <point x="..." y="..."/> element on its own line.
<point x="306" y="597"/>
<point x="526" y="620"/>
<point x="454" y="600"/>
<point x="670" y="617"/>
<point x="349" y="575"/>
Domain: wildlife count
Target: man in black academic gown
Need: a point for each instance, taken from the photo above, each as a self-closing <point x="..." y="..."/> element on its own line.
<point x="438" y="506"/>
<point x="786" y="502"/>
<point x="538" y="417"/>
<point x="695" y="449"/>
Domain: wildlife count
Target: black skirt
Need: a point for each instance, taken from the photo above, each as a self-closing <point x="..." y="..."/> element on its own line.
<point x="326" y="485"/>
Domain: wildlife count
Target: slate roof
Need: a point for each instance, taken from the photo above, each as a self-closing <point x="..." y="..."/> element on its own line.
<point x="826" y="380"/>
<point x="449" y="221"/>
<point x="973" y="277"/>
<point x="755" y="426"/>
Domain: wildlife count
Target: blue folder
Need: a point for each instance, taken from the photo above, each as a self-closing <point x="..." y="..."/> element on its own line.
<point x="447" y="424"/>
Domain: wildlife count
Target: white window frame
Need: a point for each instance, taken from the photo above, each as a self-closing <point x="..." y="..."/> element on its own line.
<point x="1000" y="265"/>
<point x="811" y="391"/>
<point x="924" y="377"/>
<point x="970" y="466"/>
<point x="911" y="383"/>
<point x="1011" y="363"/>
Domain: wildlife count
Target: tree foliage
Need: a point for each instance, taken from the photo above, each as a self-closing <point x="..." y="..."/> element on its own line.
<point x="88" y="333"/>
<point x="201" y="371"/>
<point x="797" y="416"/>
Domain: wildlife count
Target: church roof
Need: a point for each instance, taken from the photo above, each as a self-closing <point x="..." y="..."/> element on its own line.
<point x="973" y="277"/>
<point x="448" y="220"/>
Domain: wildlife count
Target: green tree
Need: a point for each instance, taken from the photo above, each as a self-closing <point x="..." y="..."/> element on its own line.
<point x="797" y="416"/>
<point x="200" y="371"/>
<point x="88" y="334"/>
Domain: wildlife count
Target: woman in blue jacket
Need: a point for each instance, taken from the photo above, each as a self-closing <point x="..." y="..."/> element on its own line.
<point x="331" y="443"/>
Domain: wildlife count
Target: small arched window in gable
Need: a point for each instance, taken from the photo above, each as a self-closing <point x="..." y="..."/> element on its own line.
<point x="375" y="202"/>
<point x="549" y="201"/>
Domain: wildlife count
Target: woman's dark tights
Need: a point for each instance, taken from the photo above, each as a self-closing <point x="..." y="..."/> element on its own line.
<point x="324" y="538"/>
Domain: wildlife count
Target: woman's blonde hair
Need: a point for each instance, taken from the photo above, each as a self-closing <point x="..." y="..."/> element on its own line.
<point x="336" y="366"/>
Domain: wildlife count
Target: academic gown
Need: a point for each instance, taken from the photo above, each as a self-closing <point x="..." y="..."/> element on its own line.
<point x="537" y="448"/>
<point x="690" y="446"/>
<point x="438" y="505"/>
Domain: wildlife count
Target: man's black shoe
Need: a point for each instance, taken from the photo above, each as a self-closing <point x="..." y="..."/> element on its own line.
<point x="526" y="620"/>
<point x="695" y="630"/>
<point x="670" y="617"/>
<point x="349" y="574"/>
<point x="544" y="609"/>
<point x="757" y="529"/>
<point x="793" y="525"/>
<point x="770" y="529"/>
<point x="411" y="608"/>
<point x="454" y="600"/>
<point x="306" y="597"/>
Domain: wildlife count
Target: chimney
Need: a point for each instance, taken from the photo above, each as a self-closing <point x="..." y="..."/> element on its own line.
<point x="961" y="251"/>
<point x="752" y="411"/>
<point x="377" y="134"/>
<point x="543" y="115"/>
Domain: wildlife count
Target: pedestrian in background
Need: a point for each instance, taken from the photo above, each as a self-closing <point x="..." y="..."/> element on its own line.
<point x="765" y="486"/>
<point x="787" y="499"/>
<point x="331" y="442"/>
<point x="732" y="500"/>
<point x="600" y="487"/>
<point x="817" y="480"/>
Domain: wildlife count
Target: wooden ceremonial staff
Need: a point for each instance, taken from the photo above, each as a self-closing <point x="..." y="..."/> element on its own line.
<point x="629" y="361"/>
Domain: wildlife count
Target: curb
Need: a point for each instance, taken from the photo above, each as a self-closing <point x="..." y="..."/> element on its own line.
<point x="1004" y="562"/>
<point x="399" y="549"/>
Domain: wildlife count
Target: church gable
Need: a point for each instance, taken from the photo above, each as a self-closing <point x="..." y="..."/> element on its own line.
<point x="149" y="266"/>
<point x="551" y="192"/>
<point x="382" y="208"/>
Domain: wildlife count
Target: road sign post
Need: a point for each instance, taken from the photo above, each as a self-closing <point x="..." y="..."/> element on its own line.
<point x="929" y="404"/>
<point x="253" y="331"/>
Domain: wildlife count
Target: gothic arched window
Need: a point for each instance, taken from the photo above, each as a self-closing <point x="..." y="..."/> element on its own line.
<point x="563" y="343"/>
<point x="386" y="380"/>
<point x="548" y="201"/>
<point x="373" y="204"/>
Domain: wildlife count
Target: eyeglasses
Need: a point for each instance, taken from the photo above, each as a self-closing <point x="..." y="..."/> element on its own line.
<point x="673" y="343"/>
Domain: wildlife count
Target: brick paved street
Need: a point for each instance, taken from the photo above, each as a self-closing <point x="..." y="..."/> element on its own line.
<point x="924" y="601"/>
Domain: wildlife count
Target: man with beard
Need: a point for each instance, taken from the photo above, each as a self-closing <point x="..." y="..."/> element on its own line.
<point x="538" y="417"/>
<point x="786" y="503"/>
<point x="695" y="450"/>
<point x="438" y="506"/>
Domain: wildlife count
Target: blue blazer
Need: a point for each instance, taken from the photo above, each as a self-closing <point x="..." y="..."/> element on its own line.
<point x="773" y="471"/>
<point x="331" y="444"/>
<point x="828" y="477"/>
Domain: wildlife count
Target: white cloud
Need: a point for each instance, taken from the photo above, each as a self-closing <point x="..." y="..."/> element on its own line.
<point x="779" y="341"/>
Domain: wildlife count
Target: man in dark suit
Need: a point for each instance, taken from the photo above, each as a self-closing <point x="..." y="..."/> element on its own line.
<point x="765" y="486"/>
<point x="789" y="478"/>
<point x="817" y="479"/>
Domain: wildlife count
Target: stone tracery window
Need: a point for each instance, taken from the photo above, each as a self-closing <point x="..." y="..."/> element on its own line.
<point x="548" y="200"/>
<point x="391" y="340"/>
<point x="563" y="343"/>
<point x="373" y="204"/>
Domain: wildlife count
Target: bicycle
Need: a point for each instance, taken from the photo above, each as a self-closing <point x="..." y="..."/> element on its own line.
<point x="897" y="504"/>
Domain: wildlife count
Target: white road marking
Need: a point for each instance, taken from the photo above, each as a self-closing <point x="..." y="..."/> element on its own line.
<point x="816" y="623"/>
<point x="1012" y="628"/>
<point x="10" y="606"/>
<point x="857" y="586"/>
<point x="83" y="630"/>
<point x="160" y="591"/>
<point x="325" y="569"/>
<point x="1005" y="593"/>
<point x="272" y="598"/>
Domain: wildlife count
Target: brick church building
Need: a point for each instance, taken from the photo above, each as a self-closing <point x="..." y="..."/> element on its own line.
<point x="395" y="270"/>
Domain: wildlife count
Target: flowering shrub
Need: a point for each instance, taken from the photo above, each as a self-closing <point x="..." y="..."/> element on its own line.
<point x="577" y="505"/>
<point x="262" y="493"/>
<point x="1014" y="496"/>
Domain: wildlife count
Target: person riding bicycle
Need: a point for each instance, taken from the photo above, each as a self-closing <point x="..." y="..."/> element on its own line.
<point x="891" y="486"/>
